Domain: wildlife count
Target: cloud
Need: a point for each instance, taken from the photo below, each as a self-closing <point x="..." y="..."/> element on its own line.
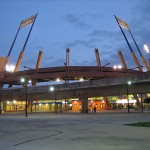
<point x="91" y="16"/>
<point x="91" y="62"/>
<point x="52" y="62"/>
<point x="77" y="21"/>
<point x="59" y="62"/>
<point x="140" y="26"/>
<point x="139" y="22"/>
<point x="39" y="48"/>
<point x="105" y="34"/>
<point x="86" y="43"/>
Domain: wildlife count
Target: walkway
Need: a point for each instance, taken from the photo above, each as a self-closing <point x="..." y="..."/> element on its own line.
<point x="49" y="131"/>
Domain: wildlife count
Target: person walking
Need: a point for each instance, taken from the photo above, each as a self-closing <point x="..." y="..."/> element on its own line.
<point x="91" y="109"/>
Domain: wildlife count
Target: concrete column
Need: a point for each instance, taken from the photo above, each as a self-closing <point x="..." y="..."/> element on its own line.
<point x="1" y="107"/>
<point x="84" y="101"/>
<point x="30" y="106"/>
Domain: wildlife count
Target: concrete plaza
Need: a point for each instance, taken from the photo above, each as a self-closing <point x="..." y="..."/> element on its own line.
<point x="48" y="131"/>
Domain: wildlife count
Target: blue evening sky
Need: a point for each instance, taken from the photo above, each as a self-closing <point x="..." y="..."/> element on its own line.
<point x="80" y="25"/>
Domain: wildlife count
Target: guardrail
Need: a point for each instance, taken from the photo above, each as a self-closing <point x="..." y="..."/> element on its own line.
<point x="79" y="85"/>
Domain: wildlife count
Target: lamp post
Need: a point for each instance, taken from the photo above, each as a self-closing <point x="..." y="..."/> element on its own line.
<point x="10" y="68"/>
<point x="101" y="67"/>
<point x="28" y="68"/>
<point x="66" y="83"/>
<point x="136" y="67"/>
<point x="117" y="67"/>
<point x="0" y="102"/>
<point x="128" y="83"/>
<point x="25" y="83"/>
<point x="52" y="89"/>
<point x="146" y="48"/>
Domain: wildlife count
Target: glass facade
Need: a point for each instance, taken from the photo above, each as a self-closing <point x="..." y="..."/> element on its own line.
<point x="101" y="104"/>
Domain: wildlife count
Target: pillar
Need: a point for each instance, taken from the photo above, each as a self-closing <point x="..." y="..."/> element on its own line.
<point x="1" y="107"/>
<point x="84" y="101"/>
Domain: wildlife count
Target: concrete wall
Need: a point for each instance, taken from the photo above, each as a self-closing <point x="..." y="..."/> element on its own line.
<point x="90" y="91"/>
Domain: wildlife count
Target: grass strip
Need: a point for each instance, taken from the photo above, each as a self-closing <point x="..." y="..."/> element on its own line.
<point x="139" y="124"/>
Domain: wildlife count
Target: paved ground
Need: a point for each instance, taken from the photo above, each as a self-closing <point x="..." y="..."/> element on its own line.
<point x="47" y="131"/>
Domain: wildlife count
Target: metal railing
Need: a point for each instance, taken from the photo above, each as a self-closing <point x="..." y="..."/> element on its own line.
<point x="80" y="85"/>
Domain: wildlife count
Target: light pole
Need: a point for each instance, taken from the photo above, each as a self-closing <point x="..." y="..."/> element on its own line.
<point x="28" y="68"/>
<point x="0" y="102"/>
<point x="101" y="67"/>
<point x="66" y="83"/>
<point x="146" y="48"/>
<point x="136" y="67"/>
<point x="10" y="68"/>
<point x="25" y="83"/>
<point x="52" y="89"/>
<point x="128" y="83"/>
<point x="141" y="102"/>
<point x="117" y="67"/>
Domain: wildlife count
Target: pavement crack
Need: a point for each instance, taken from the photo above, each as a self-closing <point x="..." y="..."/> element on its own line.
<point x="31" y="140"/>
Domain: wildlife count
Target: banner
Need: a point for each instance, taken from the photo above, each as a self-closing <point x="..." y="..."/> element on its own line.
<point x="122" y="23"/>
<point x="27" y="21"/>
